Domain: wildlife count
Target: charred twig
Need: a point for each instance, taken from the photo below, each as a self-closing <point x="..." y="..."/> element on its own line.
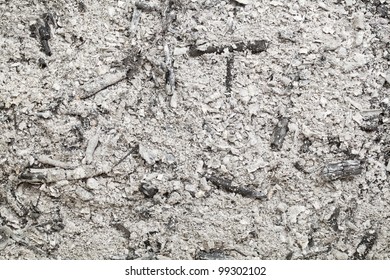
<point x="133" y="150"/>
<point x="255" y="47"/>
<point x="226" y="185"/>
<point x="147" y="7"/>
<point x="102" y="83"/>
<point x="42" y="31"/>
<point x="169" y="76"/>
<point x="44" y="36"/>
<point x="333" y="219"/>
<point x="56" y="163"/>
<point x="50" y="175"/>
<point x="213" y="254"/>
<point x="229" y="74"/>
<point x="342" y="170"/>
<point x="132" y="64"/>
<point x="279" y="133"/>
<point x="168" y="15"/>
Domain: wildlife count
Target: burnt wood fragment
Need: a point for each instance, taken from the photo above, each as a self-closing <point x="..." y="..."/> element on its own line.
<point x="213" y="254"/>
<point x="148" y="191"/>
<point x="342" y="170"/>
<point x="229" y="73"/>
<point x="255" y="47"/>
<point x="333" y="220"/>
<point x="365" y="246"/>
<point x="279" y="133"/>
<point x="227" y="186"/>
<point x="305" y="146"/>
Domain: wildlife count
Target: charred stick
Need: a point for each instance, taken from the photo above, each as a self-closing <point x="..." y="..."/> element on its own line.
<point x="132" y="64"/>
<point x="226" y="185"/>
<point x="255" y="47"/>
<point x="146" y="7"/>
<point x="213" y="254"/>
<point x="169" y="74"/>
<point x="44" y="36"/>
<point x="229" y="74"/>
<point x="133" y="150"/>
<point x="342" y="170"/>
<point x="102" y="83"/>
<point x="279" y="134"/>
<point x="50" y="175"/>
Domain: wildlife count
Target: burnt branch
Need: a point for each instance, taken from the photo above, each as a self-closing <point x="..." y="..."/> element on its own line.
<point x="227" y="186"/>
<point x="255" y="47"/>
<point x="342" y="170"/>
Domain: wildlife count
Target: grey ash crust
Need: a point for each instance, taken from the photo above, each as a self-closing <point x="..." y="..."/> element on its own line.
<point x="107" y="146"/>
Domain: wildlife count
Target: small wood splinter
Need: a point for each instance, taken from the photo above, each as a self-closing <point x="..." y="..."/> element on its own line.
<point x="226" y="185"/>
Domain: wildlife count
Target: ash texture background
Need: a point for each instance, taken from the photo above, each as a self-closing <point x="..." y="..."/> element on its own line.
<point x="152" y="130"/>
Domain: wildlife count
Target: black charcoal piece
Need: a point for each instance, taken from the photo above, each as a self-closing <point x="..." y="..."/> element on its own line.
<point x="46" y="48"/>
<point x="255" y="47"/>
<point x="34" y="30"/>
<point x="147" y="190"/>
<point x="220" y="182"/>
<point x="383" y="11"/>
<point x="365" y="246"/>
<point x="300" y="168"/>
<point x="146" y="7"/>
<point x="44" y="33"/>
<point x="213" y="254"/>
<point x="120" y="227"/>
<point x="305" y="146"/>
<point x="42" y="63"/>
<point x="226" y="185"/>
<point x="333" y="220"/>
<point x="371" y="123"/>
<point x="229" y="73"/>
<point x="81" y="7"/>
<point x="32" y="177"/>
<point x="342" y="170"/>
<point x="279" y="133"/>
<point x="44" y="36"/>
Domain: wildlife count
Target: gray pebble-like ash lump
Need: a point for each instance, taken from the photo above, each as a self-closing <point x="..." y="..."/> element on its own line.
<point x="120" y="127"/>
